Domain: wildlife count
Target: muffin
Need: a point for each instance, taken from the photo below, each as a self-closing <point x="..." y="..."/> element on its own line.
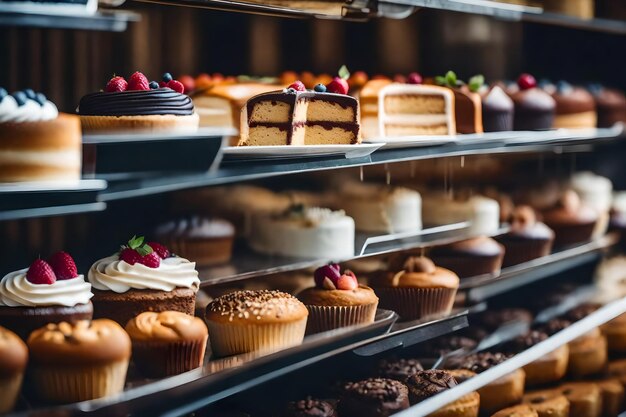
<point x="615" y="333"/>
<point x="585" y="399"/>
<point x="13" y="358"/>
<point x="571" y="221"/>
<point x="167" y="343"/>
<point x="501" y="393"/>
<point x="374" y="397"/>
<point x="399" y="369"/>
<point x="587" y="355"/>
<point x="522" y="410"/>
<point x="78" y="362"/>
<point x="548" y="403"/>
<point x="142" y="277"/>
<point x="206" y="241"/>
<point x="527" y="239"/>
<point x="612" y="392"/>
<point x="610" y="104"/>
<point x="47" y="292"/>
<point x="497" y="110"/>
<point x="419" y="289"/>
<point x="426" y="384"/>
<point x="309" y="408"/>
<point x="337" y="300"/>
<point x="469" y="258"/>
<point x="246" y="321"/>
<point x="534" y="108"/>
<point x="549" y="368"/>
<point x="575" y="107"/>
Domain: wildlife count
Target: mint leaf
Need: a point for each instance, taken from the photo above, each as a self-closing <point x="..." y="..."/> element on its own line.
<point x="135" y="242"/>
<point x="343" y="72"/>
<point x="476" y="82"/>
<point x="144" y="250"/>
<point x="440" y="80"/>
<point x="451" y="79"/>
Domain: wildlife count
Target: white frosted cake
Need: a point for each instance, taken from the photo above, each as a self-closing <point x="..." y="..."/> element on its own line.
<point x="304" y="232"/>
<point x="56" y="7"/>
<point x="381" y="209"/>
<point x="482" y="212"/>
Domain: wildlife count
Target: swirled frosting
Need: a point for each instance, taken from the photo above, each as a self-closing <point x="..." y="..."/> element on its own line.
<point x="27" y="110"/>
<point x="17" y="291"/>
<point x="136" y="103"/>
<point x="113" y="274"/>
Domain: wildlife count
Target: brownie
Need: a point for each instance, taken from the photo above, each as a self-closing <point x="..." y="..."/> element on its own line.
<point x="496" y="318"/>
<point x="426" y="384"/>
<point x="23" y="320"/>
<point x="374" y="397"/>
<point x="309" y="408"/>
<point x="480" y="362"/>
<point x="400" y="369"/>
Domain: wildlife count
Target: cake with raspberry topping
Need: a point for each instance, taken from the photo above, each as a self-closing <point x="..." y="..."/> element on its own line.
<point x="138" y="105"/>
<point x="534" y="108"/>
<point x="37" y="143"/>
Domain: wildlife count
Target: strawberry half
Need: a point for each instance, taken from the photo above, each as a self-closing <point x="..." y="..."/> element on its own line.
<point x="63" y="265"/>
<point x="161" y="250"/>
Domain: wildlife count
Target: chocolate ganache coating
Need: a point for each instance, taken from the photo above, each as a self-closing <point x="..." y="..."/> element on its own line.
<point x="136" y="103"/>
<point x="426" y="384"/>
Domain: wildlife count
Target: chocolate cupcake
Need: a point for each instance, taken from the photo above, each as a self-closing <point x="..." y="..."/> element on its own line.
<point x="571" y="221"/>
<point x="309" y="408"/>
<point x="374" y="397"/>
<point x="426" y="384"/>
<point x="527" y="239"/>
<point x="399" y="369"/>
<point x="13" y="359"/>
<point x="469" y="258"/>
<point x="534" y="108"/>
<point x="575" y="107"/>
<point x="610" y="105"/>
<point x="337" y="300"/>
<point x="493" y="319"/>
<point x="498" y="110"/>
<point x="419" y="289"/>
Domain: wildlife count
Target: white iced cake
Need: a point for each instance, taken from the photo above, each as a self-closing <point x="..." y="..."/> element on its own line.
<point x="380" y="208"/>
<point x="304" y="232"/>
<point x="483" y="213"/>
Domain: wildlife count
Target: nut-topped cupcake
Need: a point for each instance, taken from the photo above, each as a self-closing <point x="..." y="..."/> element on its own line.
<point x="246" y="321"/>
<point x="528" y="239"/>
<point x="337" y="300"/>
<point x="374" y="397"/>
<point x="13" y="358"/>
<point x="47" y="292"/>
<point x="142" y="277"/>
<point x="138" y="105"/>
<point x="419" y="289"/>
<point x="426" y="384"/>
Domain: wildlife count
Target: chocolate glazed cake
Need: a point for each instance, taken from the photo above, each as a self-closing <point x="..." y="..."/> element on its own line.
<point x="291" y="117"/>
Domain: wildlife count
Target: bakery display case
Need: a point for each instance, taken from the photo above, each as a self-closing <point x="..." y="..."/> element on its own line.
<point x="401" y="240"/>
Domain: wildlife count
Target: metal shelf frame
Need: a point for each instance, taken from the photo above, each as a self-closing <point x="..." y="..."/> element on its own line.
<point x="103" y="20"/>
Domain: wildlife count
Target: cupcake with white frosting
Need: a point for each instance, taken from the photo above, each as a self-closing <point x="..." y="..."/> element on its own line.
<point x="49" y="291"/>
<point x="142" y="277"/>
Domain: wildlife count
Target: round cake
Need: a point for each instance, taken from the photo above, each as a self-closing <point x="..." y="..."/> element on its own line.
<point x="37" y="143"/>
<point x="472" y="257"/>
<point x="575" y="107"/>
<point x="527" y="239"/>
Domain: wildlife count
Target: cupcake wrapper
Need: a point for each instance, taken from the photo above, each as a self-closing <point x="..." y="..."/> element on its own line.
<point x="231" y="339"/>
<point x="160" y="359"/>
<point x="415" y="303"/>
<point x="9" y="390"/>
<point x="68" y="385"/>
<point x="325" y="318"/>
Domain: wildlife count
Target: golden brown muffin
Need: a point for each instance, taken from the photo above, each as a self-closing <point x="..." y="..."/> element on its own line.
<point x="612" y="396"/>
<point x="587" y="355"/>
<point x="419" y="289"/>
<point x="425" y="384"/>
<point x="585" y="399"/>
<point x="615" y="333"/>
<point x="167" y="343"/>
<point x="617" y="369"/>
<point x="13" y="359"/>
<point x="548" y="403"/>
<point x="246" y="321"/>
<point x="80" y="361"/>
<point x="522" y="410"/>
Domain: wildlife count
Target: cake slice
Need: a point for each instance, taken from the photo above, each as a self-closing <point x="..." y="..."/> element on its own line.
<point x="413" y="109"/>
<point x="292" y="117"/>
<point x="368" y="99"/>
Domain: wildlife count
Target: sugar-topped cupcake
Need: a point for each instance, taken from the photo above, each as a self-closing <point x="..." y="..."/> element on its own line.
<point x="142" y="277"/>
<point x="47" y="292"/>
<point x="337" y="300"/>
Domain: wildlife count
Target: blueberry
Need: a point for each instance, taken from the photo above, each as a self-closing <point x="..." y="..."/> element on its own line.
<point x="20" y="98"/>
<point x="3" y="93"/>
<point x="320" y="88"/>
<point x="564" y="87"/>
<point x="167" y="77"/>
<point x="41" y="99"/>
<point x="153" y="85"/>
<point x="30" y="93"/>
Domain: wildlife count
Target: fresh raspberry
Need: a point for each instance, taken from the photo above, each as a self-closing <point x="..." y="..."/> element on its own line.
<point x="176" y="86"/>
<point x="162" y="84"/>
<point x="399" y="78"/>
<point x="130" y="256"/>
<point x="138" y="81"/>
<point x="63" y="265"/>
<point x="40" y="272"/>
<point x="298" y="86"/>
<point x="526" y="82"/>
<point x="414" y="78"/>
<point x="188" y="82"/>
<point x="338" y="85"/>
<point x="161" y="250"/>
<point x="151" y="260"/>
<point x="116" y="85"/>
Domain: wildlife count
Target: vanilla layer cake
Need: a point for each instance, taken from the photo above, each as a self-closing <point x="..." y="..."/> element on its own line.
<point x="368" y="99"/>
<point x="410" y="109"/>
<point x="300" y="118"/>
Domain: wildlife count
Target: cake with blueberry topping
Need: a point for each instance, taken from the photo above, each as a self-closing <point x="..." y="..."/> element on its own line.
<point x="138" y="105"/>
<point x="37" y="143"/>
